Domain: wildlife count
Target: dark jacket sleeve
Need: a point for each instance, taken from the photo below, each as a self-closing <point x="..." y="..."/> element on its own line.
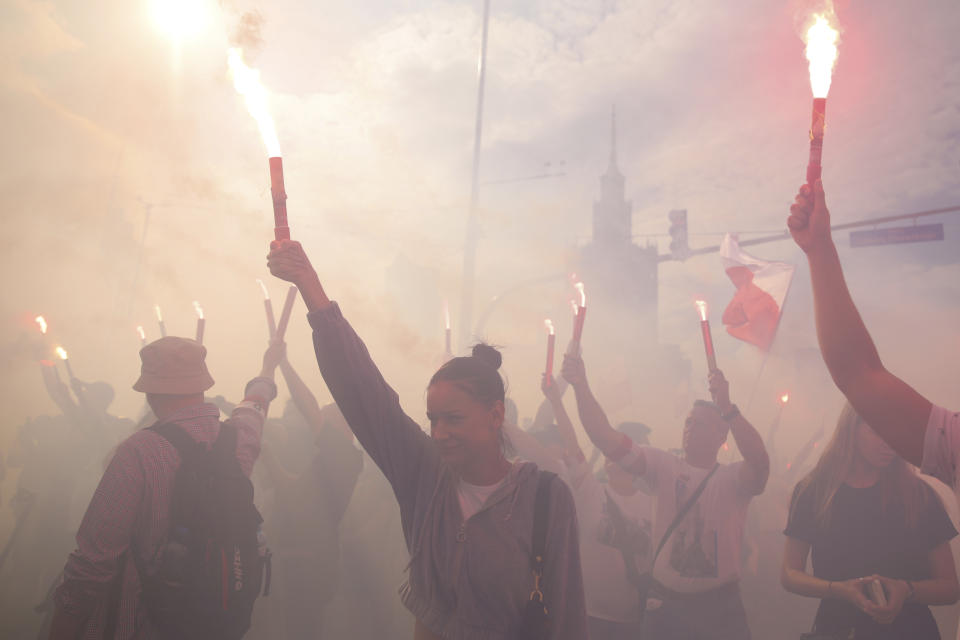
<point x="394" y="442"/>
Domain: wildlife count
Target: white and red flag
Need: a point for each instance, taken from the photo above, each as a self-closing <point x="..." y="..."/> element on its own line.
<point x="754" y="312"/>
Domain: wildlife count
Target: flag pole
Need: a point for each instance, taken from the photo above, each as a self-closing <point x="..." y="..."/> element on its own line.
<point x="766" y="355"/>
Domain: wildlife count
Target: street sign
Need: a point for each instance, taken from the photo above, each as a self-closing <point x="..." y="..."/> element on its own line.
<point x="897" y="235"/>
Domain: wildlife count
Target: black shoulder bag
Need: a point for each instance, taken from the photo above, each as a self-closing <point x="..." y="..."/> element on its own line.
<point x="536" y="623"/>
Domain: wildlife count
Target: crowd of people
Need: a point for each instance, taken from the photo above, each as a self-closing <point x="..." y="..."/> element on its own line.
<point x="490" y="531"/>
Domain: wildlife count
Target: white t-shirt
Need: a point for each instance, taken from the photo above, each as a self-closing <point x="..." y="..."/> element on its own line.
<point x="472" y="496"/>
<point x="609" y="594"/>
<point x="941" y="447"/>
<point x="941" y="450"/>
<point x="703" y="552"/>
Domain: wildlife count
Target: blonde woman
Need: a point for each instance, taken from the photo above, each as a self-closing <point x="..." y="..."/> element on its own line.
<point x="864" y="515"/>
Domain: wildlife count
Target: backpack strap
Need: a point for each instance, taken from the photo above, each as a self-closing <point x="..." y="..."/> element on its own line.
<point x="541" y="510"/>
<point x="682" y="513"/>
<point x="225" y="446"/>
<point x="186" y="446"/>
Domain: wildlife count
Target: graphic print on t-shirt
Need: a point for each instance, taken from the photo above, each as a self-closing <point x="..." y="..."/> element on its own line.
<point x="624" y="532"/>
<point x="693" y="547"/>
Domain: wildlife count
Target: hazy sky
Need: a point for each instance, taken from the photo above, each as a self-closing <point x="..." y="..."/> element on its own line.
<point x="375" y="102"/>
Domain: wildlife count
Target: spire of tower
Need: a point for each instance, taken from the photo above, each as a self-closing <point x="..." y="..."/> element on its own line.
<point x="612" y="212"/>
<point x="613" y="136"/>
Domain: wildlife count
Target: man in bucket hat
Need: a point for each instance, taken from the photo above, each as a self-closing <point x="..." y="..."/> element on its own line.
<point x="129" y="511"/>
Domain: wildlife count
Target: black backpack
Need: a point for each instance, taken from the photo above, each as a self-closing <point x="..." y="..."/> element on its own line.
<point x="212" y="565"/>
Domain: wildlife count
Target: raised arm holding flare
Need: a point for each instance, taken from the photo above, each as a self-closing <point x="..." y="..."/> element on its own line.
<point x="467" y="512"/>
<point x="891" y="407"/>
<point x="554" y="395"/>
<point x="697" y="575"/>
<point x="611" y="442"/>
<point x="303" y="398"/>
<point x="753" y="474"/>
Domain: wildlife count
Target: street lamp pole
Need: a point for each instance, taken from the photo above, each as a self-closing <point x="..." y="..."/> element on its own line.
<point x="473" y="226"/>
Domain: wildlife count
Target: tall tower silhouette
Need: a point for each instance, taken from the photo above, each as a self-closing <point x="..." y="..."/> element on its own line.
<point x="621" y="277"/>
<point x="612" y="224"/>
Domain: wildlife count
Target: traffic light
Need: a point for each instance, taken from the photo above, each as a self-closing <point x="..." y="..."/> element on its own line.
<point x="679" y="248"/>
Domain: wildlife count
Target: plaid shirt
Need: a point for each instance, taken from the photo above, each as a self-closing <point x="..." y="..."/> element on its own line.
<point x="130" y="511"/>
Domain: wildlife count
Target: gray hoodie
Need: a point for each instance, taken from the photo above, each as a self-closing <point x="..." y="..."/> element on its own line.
<point x="467" y="580"/>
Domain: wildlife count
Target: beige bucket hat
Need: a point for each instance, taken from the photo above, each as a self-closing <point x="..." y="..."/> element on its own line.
<point x="173" y="366"/>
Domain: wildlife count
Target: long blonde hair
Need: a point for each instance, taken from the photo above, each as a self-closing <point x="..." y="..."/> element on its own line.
<point x="899" y="484"/>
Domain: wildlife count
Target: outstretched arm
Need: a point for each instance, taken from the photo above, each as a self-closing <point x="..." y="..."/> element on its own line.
<point x="613" y="443"/>
<point x="303" y="398"/>
<point x="890" y="406"/>
<point x="756" y="468"/>
<point x="58" y="391"/>
<point x="396" y="443"/>
<point x="289" y="262"/>
<point x="554" y="395"/>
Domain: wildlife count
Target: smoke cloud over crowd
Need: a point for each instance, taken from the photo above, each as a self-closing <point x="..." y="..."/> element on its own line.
<point x="134" y="177"/>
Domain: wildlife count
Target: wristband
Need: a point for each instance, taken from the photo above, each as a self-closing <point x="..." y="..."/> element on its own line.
<point x="732" y="413"/>
<point x="911" y="591"/>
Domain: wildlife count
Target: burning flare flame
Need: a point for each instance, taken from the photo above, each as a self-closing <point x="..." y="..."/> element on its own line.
<point x="141" y="333"/>
<point x="61" y="352"/>
<point x="549" y="325"/>
<point x="247" y="83"/>
<point x="583" y="295"/>
<point x="41" y="323"/>
<point x="821" y="40"/>
<point x="785" y="398"/>
<point x="702" y="307"/>
<point x="198" y="309"/>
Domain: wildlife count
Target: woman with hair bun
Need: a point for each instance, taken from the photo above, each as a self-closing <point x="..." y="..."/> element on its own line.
<point x="467" y="512"/>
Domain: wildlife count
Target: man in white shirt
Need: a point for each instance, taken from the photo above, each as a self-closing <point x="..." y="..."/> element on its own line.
<point x="924" y="434"/>
<point x="697" y="573"/>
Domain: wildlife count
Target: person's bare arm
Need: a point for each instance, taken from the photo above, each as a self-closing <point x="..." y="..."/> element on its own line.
<point x="288" y="261"/>
<point x="593" y="418"/>
<point x="554" y="395"/>
<point x="795" y="579"/>
<point x="303" y="398"/>
<point x="756" y="468"/>
<point x="890" y="406"/>
<point x="58" y="391"/>
<point x="940" y="588"/>
<point x="528" y="448"/>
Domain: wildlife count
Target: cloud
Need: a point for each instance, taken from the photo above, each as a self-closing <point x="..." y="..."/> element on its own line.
<point x="375" y="106"/>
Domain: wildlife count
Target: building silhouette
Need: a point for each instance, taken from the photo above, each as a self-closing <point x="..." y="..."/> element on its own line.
<point x="640" y="379"/>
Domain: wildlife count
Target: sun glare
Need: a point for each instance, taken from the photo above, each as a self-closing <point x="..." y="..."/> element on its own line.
<point x="180" y="19"/>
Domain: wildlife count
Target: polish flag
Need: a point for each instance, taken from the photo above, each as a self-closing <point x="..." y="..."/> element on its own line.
<point x="754" y="312"/>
